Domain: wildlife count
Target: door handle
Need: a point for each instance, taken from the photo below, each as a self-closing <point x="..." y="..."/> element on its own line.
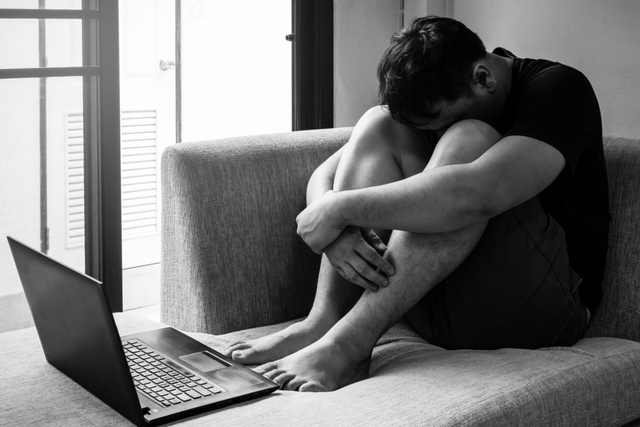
<point x="166" y="65"/>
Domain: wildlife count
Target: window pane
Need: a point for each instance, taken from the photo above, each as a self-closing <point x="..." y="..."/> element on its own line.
<point x="40" y="187"/>
<point x="65" y="170"/>
<point x="19" y="4"/>
<point x="20" y="169"/>
<point x="236" y="69"/>
<point x="64" y="42"/>
<point x="20" y="45"/>
<point x="33" y="4"/>
<point x="17" y="41"/>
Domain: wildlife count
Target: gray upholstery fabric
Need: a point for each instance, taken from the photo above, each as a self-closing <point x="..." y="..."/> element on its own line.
<point x="594" y="383"/>
<point x="619" y="311"/>
<point x="232" y="261"/>
<point x="231" y="255"/>
<point x="413" y="383"/>
<point x="246" y="192"/>
<point x="34" y="393"/>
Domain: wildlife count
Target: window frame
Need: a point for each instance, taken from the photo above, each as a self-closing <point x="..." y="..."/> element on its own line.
<point x="101" y="112"/>
<point x="312" y="64"/>
<point x="312" y="108"/>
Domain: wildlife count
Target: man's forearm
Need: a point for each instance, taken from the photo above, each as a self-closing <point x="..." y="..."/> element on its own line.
<point x="435" y="201"/>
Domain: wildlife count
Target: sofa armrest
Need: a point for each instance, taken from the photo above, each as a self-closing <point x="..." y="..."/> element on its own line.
<point x="619" y="312"/>
<point x="231" y="258"/>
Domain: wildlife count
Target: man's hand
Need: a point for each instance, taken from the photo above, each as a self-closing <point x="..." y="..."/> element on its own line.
<point x="357" y="255"/>
<point x="319" y="224"/>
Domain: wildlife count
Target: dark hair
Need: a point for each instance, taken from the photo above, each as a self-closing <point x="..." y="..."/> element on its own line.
<point x="428" y="61"/>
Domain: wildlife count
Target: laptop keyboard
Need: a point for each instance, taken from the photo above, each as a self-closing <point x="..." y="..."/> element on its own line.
<point x="153" y="376"/>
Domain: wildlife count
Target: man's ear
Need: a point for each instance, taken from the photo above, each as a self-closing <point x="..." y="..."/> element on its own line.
<point x="483" y="78"/>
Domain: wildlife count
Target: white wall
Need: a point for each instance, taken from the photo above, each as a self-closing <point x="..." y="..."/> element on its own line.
<point x="599" y="37"/>
<point x="363" y="29"/>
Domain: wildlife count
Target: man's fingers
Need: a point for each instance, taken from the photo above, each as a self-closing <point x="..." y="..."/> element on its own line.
<point x="374" y="258"/>
<point x="357" y="259"/>
<point x="350" y="274"/>
<point x="366" y="271"/>
<point x="373" y="250"/>
<point x="373" y="239"/>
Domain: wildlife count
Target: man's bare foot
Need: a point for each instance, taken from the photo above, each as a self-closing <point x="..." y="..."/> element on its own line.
<point x="277" y="345"/>
<point x="325" y="365"/>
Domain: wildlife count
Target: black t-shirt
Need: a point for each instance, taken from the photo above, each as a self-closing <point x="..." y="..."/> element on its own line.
<point x="556" y="104"/>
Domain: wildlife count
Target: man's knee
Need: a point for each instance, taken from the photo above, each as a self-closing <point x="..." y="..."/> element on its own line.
<point x="377" y="132"/>
<point x="464" y="142"/>
<point x="368" y="159"/>
<point x="376" y="126"/>
<point x="374" y="130"/>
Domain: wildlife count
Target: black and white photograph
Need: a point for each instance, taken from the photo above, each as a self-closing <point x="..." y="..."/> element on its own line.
<point x="320" y="213"/>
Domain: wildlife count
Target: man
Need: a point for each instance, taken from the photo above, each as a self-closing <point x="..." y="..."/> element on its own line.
<point x="474" y="202"/>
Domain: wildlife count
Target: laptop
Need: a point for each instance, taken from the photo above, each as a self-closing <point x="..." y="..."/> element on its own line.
<point x="151" y="377"/>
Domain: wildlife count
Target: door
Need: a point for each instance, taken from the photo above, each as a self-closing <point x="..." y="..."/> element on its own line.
<point x="147" y="52"/>
<point x="235" y="64"/>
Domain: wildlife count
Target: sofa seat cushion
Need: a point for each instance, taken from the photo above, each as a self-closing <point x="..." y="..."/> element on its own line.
<point x="595" y="383"/>
<point x="415" y="383"/>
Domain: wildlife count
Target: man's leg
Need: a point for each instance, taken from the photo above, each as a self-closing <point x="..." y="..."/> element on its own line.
<point x="380" y="151"/>
<point x="515" y="289"/>
<point x="421" y="261"/>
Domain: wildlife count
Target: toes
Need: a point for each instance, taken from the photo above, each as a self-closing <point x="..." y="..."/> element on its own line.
<point x="272" y="375"/>
<point x="240" y="345"/>
<point x="283" y="380"/>
<point x="295" y="384"/>
<point x="266" y="368"/>
<point x="244" y="355"/>
<point x="312" y="387"/>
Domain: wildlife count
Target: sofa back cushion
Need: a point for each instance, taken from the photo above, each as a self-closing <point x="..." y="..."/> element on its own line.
<point x="619" y="312"/>
<point x="231" y="258"/>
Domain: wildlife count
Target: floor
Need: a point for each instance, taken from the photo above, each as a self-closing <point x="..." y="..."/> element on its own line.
<point x="150" y="312"/>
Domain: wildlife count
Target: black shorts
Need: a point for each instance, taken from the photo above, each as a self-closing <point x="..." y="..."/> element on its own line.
<point x="515" y="289"/>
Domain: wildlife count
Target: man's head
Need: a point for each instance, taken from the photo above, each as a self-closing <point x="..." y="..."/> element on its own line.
<point x="429" y="62"/>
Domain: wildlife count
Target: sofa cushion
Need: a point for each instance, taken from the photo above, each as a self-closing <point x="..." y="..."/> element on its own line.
<point x="619" y="312"/>
<point x="594" y="383"/>
<point x="231" y="255"/>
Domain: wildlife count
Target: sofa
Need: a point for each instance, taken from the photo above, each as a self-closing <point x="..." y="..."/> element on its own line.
<point x="233" y="268"/>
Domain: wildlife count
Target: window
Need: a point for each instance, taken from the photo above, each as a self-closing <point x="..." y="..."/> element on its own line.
<point x="57" y="59"/>
<point x="85" y="117"/>
<point x="207" y="69"/>
<point x="235" y="68"/>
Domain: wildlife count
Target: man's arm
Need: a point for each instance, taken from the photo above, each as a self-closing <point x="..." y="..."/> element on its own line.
<point x="440" y="199"/>
<point x="354" y="251"/>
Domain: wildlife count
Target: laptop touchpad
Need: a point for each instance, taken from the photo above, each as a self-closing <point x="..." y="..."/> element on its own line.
<point x="204" y="361"/>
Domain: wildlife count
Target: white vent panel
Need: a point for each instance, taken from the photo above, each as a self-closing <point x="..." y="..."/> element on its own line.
<point x="139" y="173"/>
<point x="140" y="195"/>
